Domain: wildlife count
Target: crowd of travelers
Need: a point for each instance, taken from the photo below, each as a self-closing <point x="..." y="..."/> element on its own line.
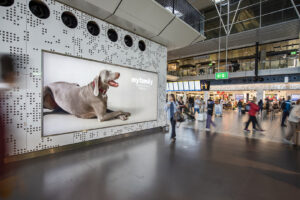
<point x="195" y="108"/>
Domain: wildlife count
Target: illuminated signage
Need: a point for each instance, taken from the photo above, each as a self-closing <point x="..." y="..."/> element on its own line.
<point x="221" y="75"/>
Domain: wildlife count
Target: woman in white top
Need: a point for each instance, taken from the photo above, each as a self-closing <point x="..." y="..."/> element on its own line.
<point x="294" y="119"/>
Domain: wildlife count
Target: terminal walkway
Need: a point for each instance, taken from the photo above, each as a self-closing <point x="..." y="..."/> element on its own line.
<point x="233" y="124"/>
<point x="199" y="165"/>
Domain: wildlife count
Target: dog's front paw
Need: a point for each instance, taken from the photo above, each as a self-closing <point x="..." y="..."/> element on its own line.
<point x="127" y="114"/>
<point x="123" y="117"/>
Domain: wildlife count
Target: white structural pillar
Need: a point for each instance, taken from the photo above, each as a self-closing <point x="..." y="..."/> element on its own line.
<point x="206" y="96"/>
<point x="260" y="94"/>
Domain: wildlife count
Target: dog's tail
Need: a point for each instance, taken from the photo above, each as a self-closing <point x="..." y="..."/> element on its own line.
<point x="48" y="99"/>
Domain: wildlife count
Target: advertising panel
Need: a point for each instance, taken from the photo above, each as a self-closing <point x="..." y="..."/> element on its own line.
<point x="80" y="94"/>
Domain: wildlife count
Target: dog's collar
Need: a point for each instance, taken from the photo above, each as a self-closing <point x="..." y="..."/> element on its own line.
<point x="103" y="92"/>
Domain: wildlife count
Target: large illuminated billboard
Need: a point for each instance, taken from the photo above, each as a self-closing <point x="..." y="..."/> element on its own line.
<point x="80" y="94"/>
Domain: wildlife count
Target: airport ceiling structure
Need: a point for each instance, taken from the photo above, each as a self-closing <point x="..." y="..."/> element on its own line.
<point x="146" y="18"/>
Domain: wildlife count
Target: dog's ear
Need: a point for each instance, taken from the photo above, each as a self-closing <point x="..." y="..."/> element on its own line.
<point x="96" y="88"/>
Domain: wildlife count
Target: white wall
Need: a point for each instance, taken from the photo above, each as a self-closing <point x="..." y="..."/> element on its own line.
<point x="25" y="36"/>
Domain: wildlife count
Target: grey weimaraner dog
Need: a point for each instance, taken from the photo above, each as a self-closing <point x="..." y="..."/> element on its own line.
<point x="84" y="102"/>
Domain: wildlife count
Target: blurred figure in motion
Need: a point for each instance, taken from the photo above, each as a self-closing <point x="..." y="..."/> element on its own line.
<point x="254" y="108"/>
<point x="261" y="106"/>
<point x="294" y="120"/>
<point x="210" y="112"/>
<point x="240" y="105"/>
<point x="286" y="108"/>
<point x="7" y="78"/>
<point x="171" y="108"/>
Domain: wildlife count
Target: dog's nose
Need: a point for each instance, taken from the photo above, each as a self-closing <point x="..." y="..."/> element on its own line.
<point x="117" y="74"/>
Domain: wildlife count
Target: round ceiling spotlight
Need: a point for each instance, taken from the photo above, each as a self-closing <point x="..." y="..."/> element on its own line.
<point x="112" y="35"/>
<point x="69" y="19"/>
<point x="93" y="28"/>
<point x="142" y="45"/>
<point x="6" y="3"/>
<point x="128" y="41"/>
<point x="39" y="9"/>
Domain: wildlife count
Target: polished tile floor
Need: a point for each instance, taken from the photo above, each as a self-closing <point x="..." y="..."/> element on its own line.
<point x="199" y="165"/>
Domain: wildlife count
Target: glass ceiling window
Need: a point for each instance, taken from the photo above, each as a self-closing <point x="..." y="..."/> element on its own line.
<point x="186" y="12"/>
<point x="251" y="14"/>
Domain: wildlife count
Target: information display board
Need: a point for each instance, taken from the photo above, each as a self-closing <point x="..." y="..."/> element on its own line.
<point x="171" y="87"/>
<point x="186" y="86"/>
<point x="197" y="86"/>
<point x="175" y="86"/>
<point x="180" y="86"/>
<point x="192" y="85"/>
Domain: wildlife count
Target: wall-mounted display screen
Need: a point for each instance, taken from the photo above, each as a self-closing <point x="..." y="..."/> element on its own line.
<point x="205" y="85"/>
<point x="295" y="97"/>
<point x="175" y="86"/>
<point x="186" y="86"/>
<point x="239" y="97"/>
<point x="192" y="85"/>
<point x="197" y="85"/>
<point x="76" y="91"/>
<point x="171" y="87"/>
<point x="180" y="86"/>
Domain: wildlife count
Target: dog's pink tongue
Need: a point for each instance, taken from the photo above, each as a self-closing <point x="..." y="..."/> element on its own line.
<point x="113" y="83"/>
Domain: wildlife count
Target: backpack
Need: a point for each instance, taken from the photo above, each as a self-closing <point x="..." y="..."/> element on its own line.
<point x="283" y="106"/>
<point x="178" y="116"/>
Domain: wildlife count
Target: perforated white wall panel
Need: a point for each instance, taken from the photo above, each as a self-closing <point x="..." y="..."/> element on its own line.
<point x="24" y="36"/>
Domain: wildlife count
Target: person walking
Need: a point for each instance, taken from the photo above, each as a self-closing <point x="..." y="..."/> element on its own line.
<point x="197" y="105"/>
<point x="240" y="105"/>
<point x="286" y="108"/>
<point x="294" y="120"/>
<point x="254" y="108"/>
<point x="191" y="104"/>
<point x="171" y="108"/>
<point x="210" y="112"/>
<point x="181" y="104"/>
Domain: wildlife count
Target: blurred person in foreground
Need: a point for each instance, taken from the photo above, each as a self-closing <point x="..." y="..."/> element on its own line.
<point x="7" y="78"/>
<point x="294" y="120"/>
<point x="254" y="108"/>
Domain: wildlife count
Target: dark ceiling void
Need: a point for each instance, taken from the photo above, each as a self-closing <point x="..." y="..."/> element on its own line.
<point x="69" y="19"/>
<point x="39" y="9"/>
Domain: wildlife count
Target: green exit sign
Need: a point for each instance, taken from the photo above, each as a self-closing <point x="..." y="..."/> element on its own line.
<point x="293" y="52"/>
<point x="221" y="75"/>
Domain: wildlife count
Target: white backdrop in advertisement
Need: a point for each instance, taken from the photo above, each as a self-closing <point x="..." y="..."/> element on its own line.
<point x="137" y="93"/>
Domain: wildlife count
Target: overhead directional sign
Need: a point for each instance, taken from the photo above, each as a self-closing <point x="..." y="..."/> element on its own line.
<point x="221" y="75"/>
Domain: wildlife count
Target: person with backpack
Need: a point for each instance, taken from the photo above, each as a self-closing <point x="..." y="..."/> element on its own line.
<point x="286" y="108"/>
<point x="171" y="108"/>
<point x="254" y="108"/>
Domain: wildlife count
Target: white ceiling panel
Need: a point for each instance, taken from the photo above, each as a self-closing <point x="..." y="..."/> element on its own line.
<point x="178" y="34"/>
<point x="147" y="14"/>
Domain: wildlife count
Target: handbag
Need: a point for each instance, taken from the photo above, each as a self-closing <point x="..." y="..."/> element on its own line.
<point x="178" y="116"/>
